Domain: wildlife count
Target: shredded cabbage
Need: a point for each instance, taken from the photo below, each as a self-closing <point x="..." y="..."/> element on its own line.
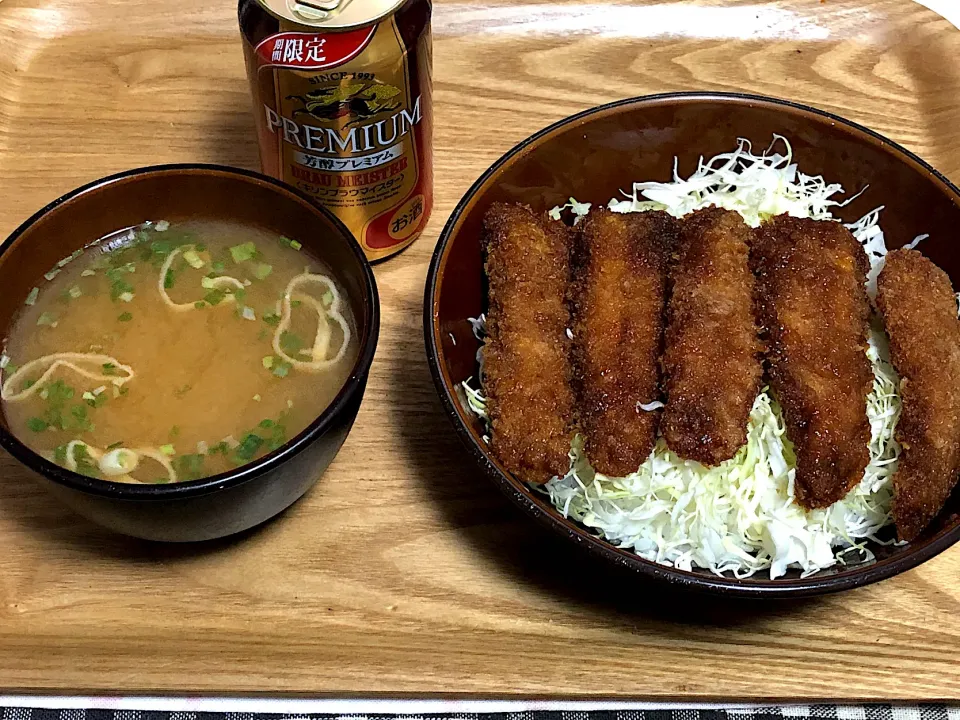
<point x="756" y="186"/>
<point x="741" y="516"/>
<point x="578" y="209"/>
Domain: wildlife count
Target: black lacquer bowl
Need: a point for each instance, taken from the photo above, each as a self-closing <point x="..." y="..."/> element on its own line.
<point x="227" y="503"/>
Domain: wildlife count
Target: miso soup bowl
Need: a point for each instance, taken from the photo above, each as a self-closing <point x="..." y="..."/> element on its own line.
<point x="231" y="502"/>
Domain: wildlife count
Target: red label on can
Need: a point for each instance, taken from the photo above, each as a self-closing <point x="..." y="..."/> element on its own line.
<point x="313" y="51"/>
<point x="346" y="117"/>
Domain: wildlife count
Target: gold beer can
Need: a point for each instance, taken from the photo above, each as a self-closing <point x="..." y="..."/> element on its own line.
<point x="342" y="97"/>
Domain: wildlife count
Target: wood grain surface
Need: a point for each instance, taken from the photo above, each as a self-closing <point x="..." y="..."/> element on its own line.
<point x="404" y="571"/>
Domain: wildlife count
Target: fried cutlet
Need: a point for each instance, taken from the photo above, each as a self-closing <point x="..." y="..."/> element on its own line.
<point x="619" y="299"/>
<point x="920" y="313"/>
<point x="813" y="307"/>
<point x="527" y="353"/>
<point x="712" y="360"/>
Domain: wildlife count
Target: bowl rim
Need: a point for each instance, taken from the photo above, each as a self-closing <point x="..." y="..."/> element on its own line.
<point x="525" y="498"/>
<point x="352" y="386"/>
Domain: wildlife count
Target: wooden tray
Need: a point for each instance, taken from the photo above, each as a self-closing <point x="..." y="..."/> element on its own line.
<point x="404" y="571"/>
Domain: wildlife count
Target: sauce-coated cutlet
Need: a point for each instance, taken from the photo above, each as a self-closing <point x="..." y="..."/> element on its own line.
<point x="814" y="310"/>
<point x="712" y="358"/>
<point x="920" y="313"/>
<point x="619" y="299"/>
<point x="527" y="372"/>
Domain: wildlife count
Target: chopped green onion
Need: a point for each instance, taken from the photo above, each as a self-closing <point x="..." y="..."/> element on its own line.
<point x="202" y="448"/>
<point x="125" y="317"/>
<point x="4" y="361"/>
<point x="159" y="249"/>
<point x="116" y="273"/>
<point x="296" y="303"/>
<point x="271" y="319"/>
<point x="193" y="259"/>
<point x="32" y="296"/>
<point x="290" y="343"/>
<point x="126" y="297"/>
<point x="189" y="467"/>
<point x="215" y="297"/>
<point x="88" y="273"/>
<point x="220" y="448"/>
<point x="37" y="424"/>
<point x="109" y="369"/>
<point x="266" y="423"/>
<point x="295" y="245"/>
<point x="207" y="283"/>
<point x="168" y="450"/>
<point x="200" y="247"/>
<point x="267" y="361"/>
<point x="47" y="319"/>
<point x="262" y="271"/>
<point x="51" y="275"/>
<point x="327" y="298"/>
<point x="257" y="397"/>
<point x="281" y="369"/>
<point x="244" y="252"/>
<point x="114" y="446"/>
<point x="218" y="267"/>
<point x="79" y="413"/>
<point x="95" y="400"/>
<point x="75" y="292"/>
<point x="169" y="279"/>
<point x="85" y="464"/>
<point x="73" y="256"/>
<point x="162" y="226"/>
<point x="248" y="447"/>
<point x="120" y="288"/>
<point x="199" y="304"/>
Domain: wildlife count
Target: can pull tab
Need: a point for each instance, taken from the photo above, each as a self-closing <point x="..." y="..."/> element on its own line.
<point x="317" y="9"/>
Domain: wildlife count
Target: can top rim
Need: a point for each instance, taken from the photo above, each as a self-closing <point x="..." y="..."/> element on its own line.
<point x="332" y="14"/>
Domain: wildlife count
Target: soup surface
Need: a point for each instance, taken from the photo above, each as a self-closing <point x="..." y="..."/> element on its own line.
<point x="172" y="352"/>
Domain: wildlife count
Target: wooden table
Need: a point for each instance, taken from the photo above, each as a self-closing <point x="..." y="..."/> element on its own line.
<point x="404" y="571"/>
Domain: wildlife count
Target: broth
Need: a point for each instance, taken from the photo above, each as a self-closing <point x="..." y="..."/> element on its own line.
<point x="173" y="352"/>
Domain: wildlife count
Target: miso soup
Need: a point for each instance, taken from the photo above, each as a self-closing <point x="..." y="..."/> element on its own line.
<point x="170" y="352"/>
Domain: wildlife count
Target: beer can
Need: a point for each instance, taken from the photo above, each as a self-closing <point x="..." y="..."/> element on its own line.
<point x="342" y="103"/>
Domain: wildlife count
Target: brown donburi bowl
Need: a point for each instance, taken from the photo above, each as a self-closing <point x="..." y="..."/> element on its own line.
<point x="227" y="503"/>
<point x="591" y="156"/>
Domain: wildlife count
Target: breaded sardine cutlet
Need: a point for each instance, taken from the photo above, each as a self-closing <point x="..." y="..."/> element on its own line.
<point x="712" y="350"/>
<point x="920" y="313"/>
<point x="814" y="310"/>
<point x="527" y="353"/>
<point x="619" y="299"/>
